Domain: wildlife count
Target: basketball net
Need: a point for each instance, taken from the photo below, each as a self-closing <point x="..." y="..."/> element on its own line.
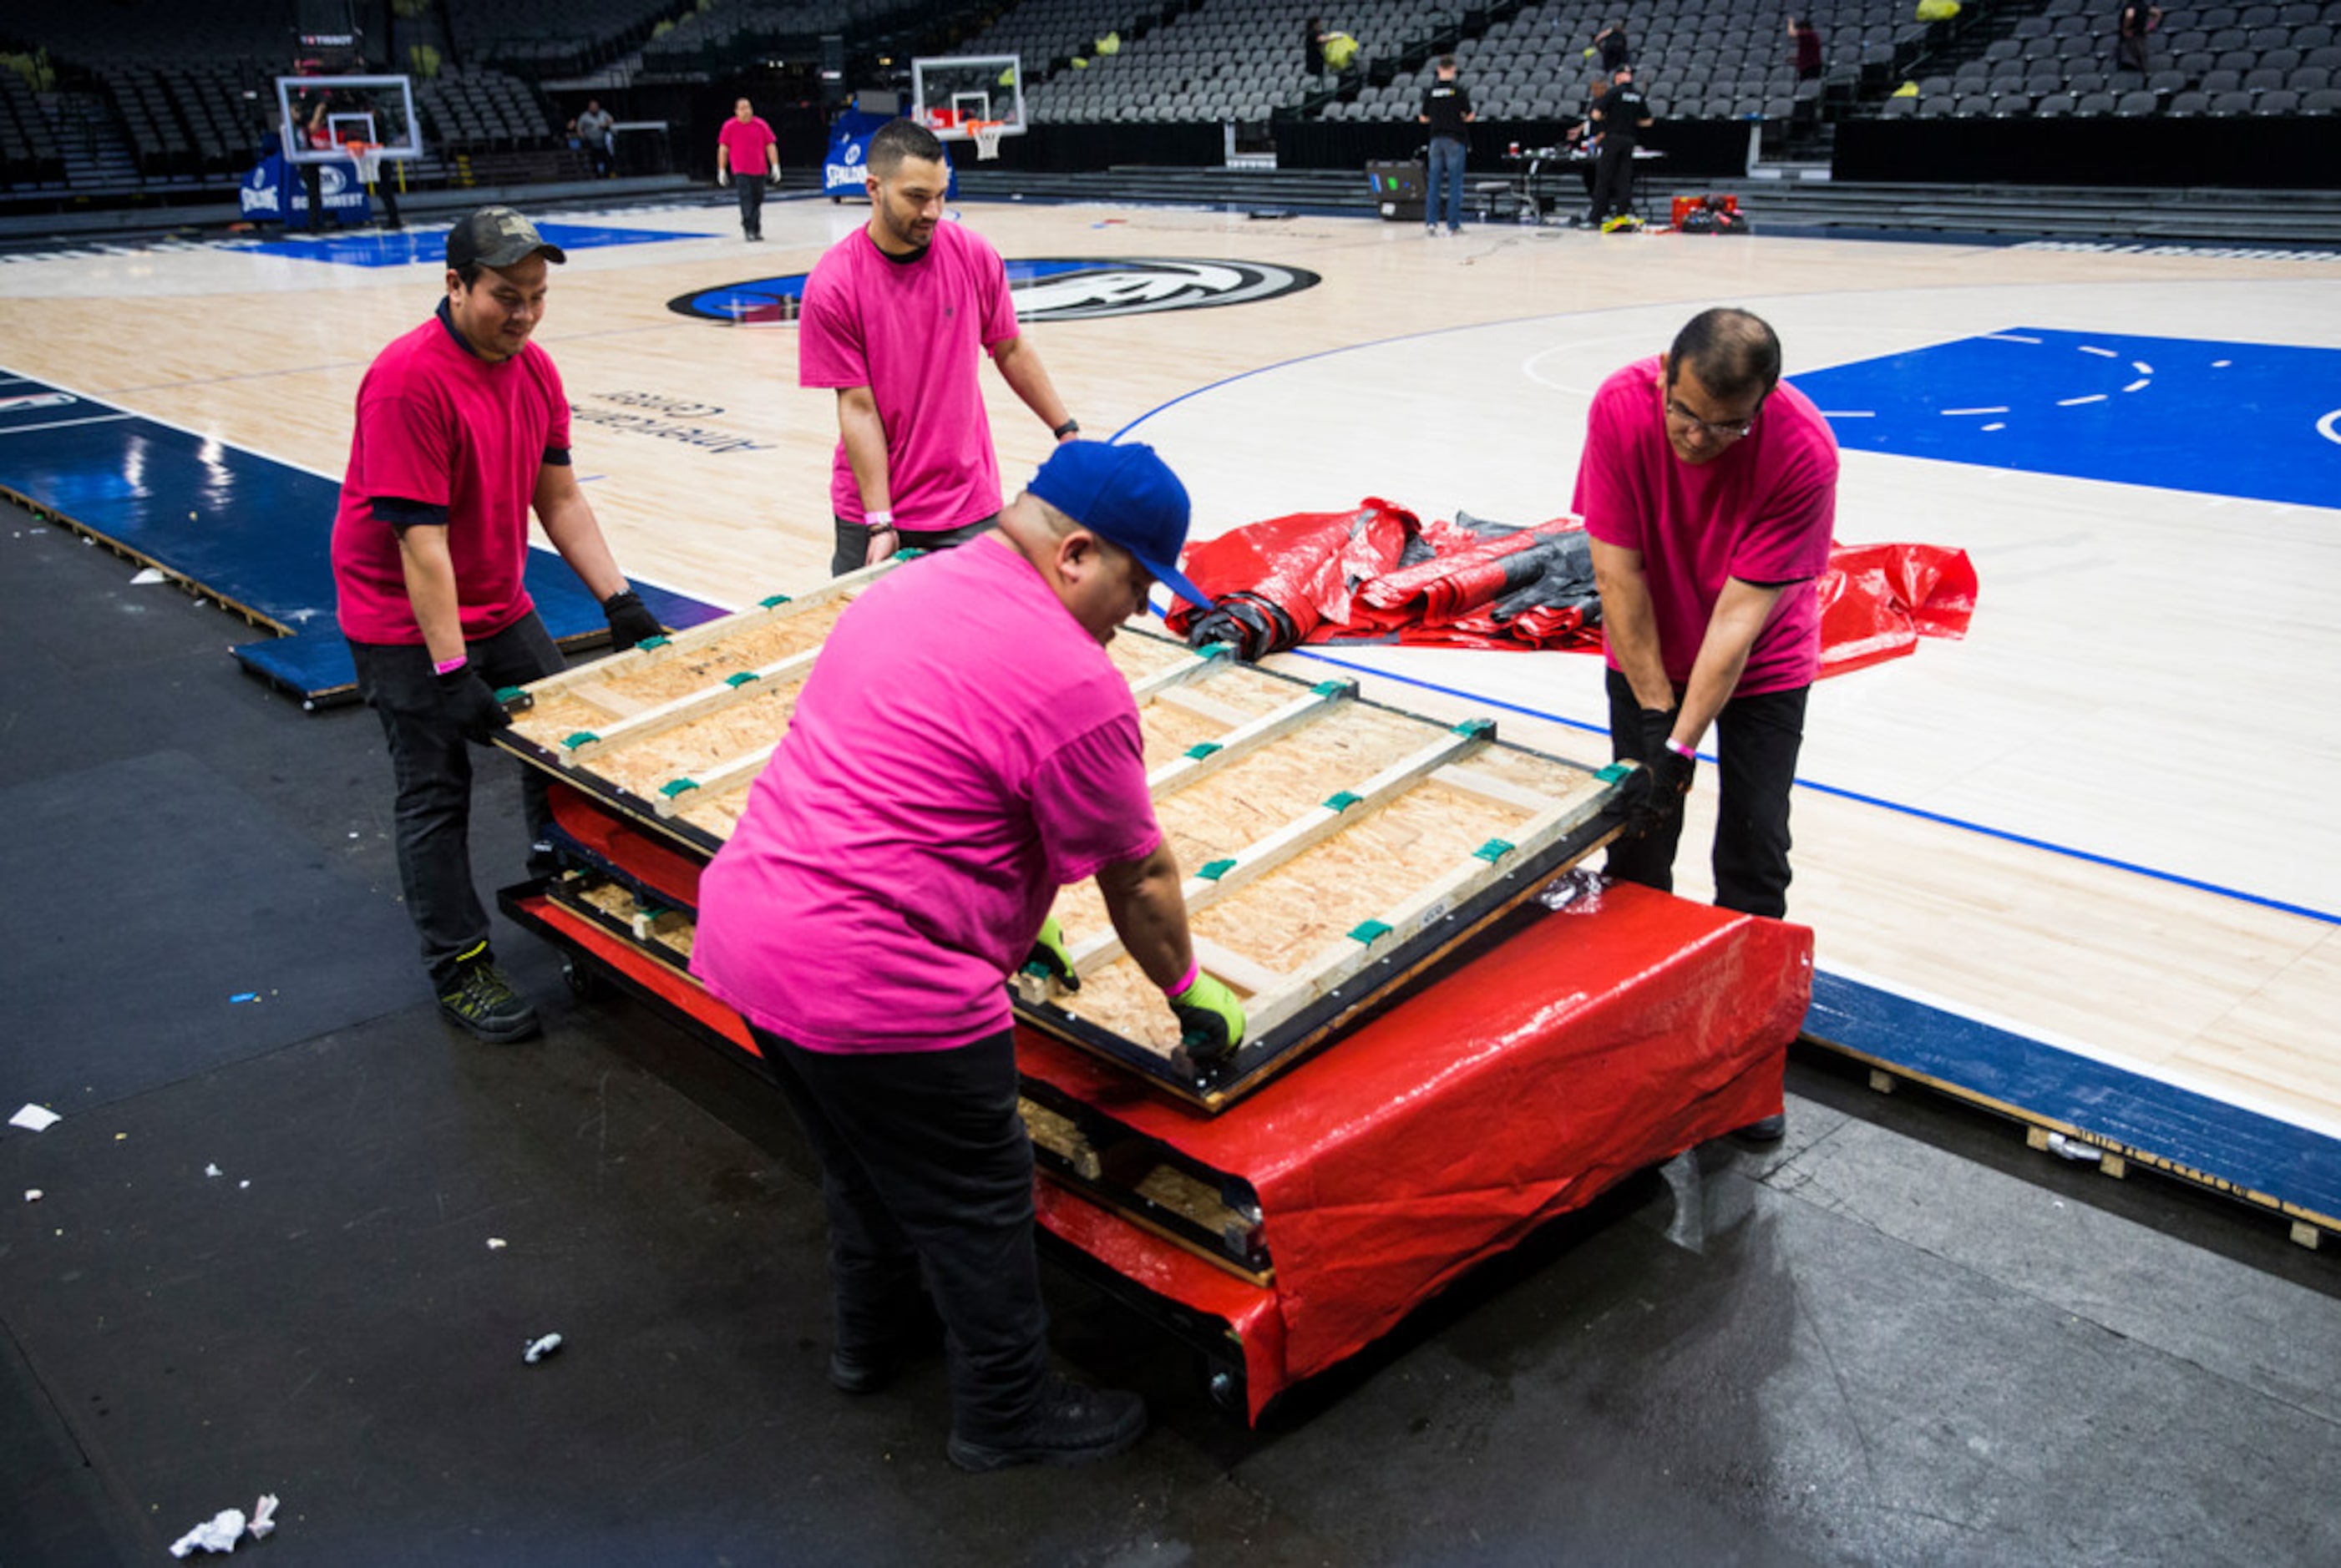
<point x="367" y="156"/>
<point x="986" y="138"/>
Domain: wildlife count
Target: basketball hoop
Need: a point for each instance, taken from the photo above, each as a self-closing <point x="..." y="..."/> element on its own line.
<point x="367" y="156"/>
<point x="986" y="138"/>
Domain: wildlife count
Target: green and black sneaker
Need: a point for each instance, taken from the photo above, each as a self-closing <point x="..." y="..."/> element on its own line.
<point x="478" y="996"/>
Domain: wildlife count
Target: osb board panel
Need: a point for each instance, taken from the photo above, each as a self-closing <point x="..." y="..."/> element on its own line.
<point x="671" y="930"/>
<point x="1169" y="727"/>
<point x="1286" y="918"/>
<point x="646" y="683"/>
<point x="1141" y="657"/>
<point x="752" y="724"/>
<point x="1245" y="802"/>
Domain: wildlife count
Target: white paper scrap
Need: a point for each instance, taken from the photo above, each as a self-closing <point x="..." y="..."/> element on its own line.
<point x="35" y="1119"/>
<point x="32" y="1194"/>
<point x="495" y="1244"/>
<point x="539" y="1349"/>
<point x="264" y="1516"/>
<point x="217" y="1533"/>
<point x="214" y="1171"/>
<point x="147" y="575"/>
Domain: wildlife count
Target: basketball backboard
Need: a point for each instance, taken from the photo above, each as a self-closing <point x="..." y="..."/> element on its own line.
<point x="319" y="116"/>
<point x="948" y="93"/>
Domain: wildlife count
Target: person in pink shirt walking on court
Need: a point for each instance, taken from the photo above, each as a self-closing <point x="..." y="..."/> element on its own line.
<point x="747" y="154"/>
<point x="896" y="318"/>
<point x="964" y="747"/>
<point x="1708" y="486"/>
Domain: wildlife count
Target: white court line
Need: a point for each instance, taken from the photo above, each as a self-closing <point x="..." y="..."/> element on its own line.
<point x="2101" y="353"/>
<point x="1849" y="413"/>
<point x="2141" y="367"/>
<point x="2141" y="381"/>
<point x="2009" y="338"/>
<point x="2076" y="401"/>
<point x="1954" y="413"/>
<point x="65" y="423"/>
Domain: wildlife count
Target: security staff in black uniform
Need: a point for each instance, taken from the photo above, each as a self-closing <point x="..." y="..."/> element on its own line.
<point x="1621" y="114"/>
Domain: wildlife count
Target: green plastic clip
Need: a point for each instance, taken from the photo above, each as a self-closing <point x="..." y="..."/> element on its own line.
<point x="745" y="676"/>
<point x="1216" y="869"/>
<point x="1216" y="650"/>
<point x="581" y="738"/>
<point x="1477" y="729"/>
<point x="775" y="603"/>
<point x="1369" y="932"/>
<point x="1341" y="801"/>
<point x="908" y="552"/>
<point x="1203" y="749"/>
<point x="1494" y="850"/>
<point x="674" y="787"/>
<point x="1334" y="687"/>
<point x="659" y="641"/>
<point x="1615" y="771"/>
<point x="512" y="697"/>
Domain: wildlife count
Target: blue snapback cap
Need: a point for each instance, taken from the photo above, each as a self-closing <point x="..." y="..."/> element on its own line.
<point x="1123" y="493"/>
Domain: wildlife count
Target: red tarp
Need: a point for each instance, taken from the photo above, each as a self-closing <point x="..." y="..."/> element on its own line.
<point x="1378" y="572"/>
<point x="1518" y="1086"/>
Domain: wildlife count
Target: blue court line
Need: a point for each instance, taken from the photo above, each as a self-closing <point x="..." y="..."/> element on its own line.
<point x="251" y="532"/>
<point x="2258" y="1158"/>
<point x="2326" y="917"/>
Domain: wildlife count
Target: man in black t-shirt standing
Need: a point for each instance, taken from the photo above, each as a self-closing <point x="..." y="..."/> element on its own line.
<point x="1446" y="109"/>
<point x="1621" y="114"/>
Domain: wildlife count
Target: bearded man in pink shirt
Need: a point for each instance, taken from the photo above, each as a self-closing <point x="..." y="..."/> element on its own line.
<point x="1708" y="486"/>
<point x="896" y="318"/>
<point x="962" y="748"/>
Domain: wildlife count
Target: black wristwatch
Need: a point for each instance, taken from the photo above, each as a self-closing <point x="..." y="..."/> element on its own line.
<point x="1071" y="427"/>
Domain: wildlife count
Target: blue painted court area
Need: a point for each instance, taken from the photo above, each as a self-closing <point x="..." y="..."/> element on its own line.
<point x="251" y="532"/>
<point x="2212" y="1144"/>
<point x="2260" y="421"/>
<point x="405" y="247"/>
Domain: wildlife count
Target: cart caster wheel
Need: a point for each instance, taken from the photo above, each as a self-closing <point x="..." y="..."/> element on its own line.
<point x="1225" y="1389"/>
<point x="585" y="982"/>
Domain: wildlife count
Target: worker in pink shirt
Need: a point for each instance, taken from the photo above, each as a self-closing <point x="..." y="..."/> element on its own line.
<point x="746" y="155"/>
<point x="1708" y="486"/>
<point x="962" y="748"/>
<point x="897" y="318"/>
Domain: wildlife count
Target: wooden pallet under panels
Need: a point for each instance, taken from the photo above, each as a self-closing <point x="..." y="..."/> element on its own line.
<point x="1334" y="849"/>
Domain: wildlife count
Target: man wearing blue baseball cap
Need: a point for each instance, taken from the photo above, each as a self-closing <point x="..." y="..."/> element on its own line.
<point x="962" y="748"/>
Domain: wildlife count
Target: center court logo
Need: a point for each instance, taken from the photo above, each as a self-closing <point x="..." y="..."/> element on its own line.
<point x="1051" y="289"/>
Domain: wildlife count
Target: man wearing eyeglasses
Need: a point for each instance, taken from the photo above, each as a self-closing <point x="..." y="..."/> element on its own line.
<point x="1709" y="489"/>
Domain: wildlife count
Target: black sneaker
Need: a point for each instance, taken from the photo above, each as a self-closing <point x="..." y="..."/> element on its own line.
<point x="1070" y="1425"/>
<point x="478" y="996"/>
<point x="1769" y="1129"/>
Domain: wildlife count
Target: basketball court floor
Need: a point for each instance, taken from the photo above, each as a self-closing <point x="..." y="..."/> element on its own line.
<point x="2100" y="821"/>
<point x="2094" y="825"/>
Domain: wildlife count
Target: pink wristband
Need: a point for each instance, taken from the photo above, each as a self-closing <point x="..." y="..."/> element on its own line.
<point x="1687" y="752"/>
<point x="449" y="666"/>
<point x="1187" y="981"/>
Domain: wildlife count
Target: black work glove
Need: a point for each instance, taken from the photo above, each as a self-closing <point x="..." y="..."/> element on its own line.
<point x="465" y="695"/>
<point x="631" y="621"/>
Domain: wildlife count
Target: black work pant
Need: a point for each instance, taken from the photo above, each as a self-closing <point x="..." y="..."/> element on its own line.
<point x="431" y="764"/>
<point x="751" y="204"/>
<point x="1613" y="177"/>
<point x="1757" y="740"/>
<point x="925" y="1163"/>
<point x="851" y="549"/>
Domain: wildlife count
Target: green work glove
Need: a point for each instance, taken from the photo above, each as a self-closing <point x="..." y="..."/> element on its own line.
<point x="1210" y="1019"/>
<point x="1050" y="958"/>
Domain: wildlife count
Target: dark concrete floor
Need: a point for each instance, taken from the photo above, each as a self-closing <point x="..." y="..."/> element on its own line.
<point x="1901" y="1337"/>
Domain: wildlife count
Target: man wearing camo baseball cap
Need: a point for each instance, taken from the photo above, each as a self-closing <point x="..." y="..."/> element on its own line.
<point x="462" y="429"/>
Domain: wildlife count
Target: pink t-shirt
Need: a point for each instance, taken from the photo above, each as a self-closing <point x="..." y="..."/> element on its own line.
<point x="915" y="334"/>
<point x="438" y="425"/>
<point x="744" y="141"/>
<point x="962" y="749"/>
<point x="1763" y="511"/>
